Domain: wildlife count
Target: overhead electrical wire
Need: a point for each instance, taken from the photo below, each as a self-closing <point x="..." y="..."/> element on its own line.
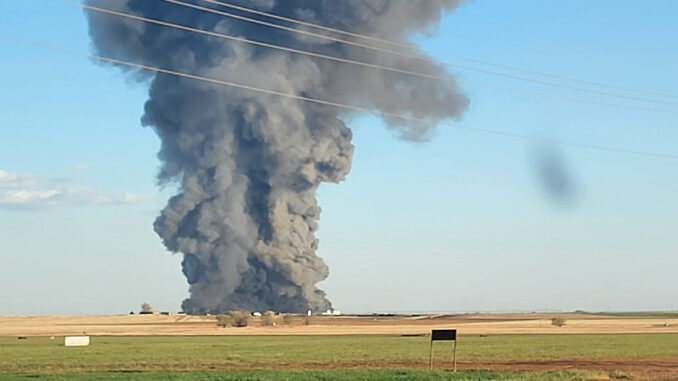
<point x="411" y="55"/>
<point x="454" y="56"/>
<point x="353" y="62"/>
<point x="304" y="23"/>
<point x="326" y="102"/>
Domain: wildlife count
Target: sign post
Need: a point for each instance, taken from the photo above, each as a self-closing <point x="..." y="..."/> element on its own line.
<point x="443" y="335"/>
<point x="76" y="341"/>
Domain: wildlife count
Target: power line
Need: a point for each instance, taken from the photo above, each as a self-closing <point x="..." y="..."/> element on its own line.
<point x="349" y="61"/>
<point x="409" y="47"/>
<point x="561" y="77"/>
<point x="258" y="43"/>
<point x="415" y="56"/>
<point x="210" y="80"/>
<point x="304" y="23"/>
<point x="326" y="102"/>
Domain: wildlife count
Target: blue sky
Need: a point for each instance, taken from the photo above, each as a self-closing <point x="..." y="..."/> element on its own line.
<point x="458" y="223"/>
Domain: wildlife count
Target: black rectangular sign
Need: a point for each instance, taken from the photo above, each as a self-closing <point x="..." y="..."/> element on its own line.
<point x="443" y="335"/>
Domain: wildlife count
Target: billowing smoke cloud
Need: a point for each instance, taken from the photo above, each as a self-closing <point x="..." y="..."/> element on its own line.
<point x="248" y="165"/>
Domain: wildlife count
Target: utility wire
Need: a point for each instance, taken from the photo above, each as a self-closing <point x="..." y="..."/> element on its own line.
<point x="325" y="102"/>
<point x="307" y="24"/>
<point x="415" y="56"/>
<point x="349" y="61"/>
<point x="409" y="47"/>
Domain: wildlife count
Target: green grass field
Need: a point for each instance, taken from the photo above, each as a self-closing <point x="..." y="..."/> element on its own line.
<point x="282" y="353"/>
<point x="332" y="375"/>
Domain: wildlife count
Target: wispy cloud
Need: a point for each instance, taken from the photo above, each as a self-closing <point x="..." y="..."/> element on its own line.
<point x="9" y="180"/>
<point x="28" y="192"/>
<point x="79" y="166"/>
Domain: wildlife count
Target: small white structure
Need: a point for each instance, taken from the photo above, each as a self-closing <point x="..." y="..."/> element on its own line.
<point x="256" y="314"/>
<point x="76" y="341"/>
<point x="309" y="313"/>
<point x="332" y="312"/>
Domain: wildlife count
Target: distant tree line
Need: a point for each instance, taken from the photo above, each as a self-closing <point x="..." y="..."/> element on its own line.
<point x="240" y="319"/>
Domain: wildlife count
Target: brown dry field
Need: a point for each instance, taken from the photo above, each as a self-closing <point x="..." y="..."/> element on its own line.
<point x="468" y="324"/>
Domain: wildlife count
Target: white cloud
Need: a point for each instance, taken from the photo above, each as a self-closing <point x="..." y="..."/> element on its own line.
<point x="9" y="180"/>
<point x="79" y="166"/>
<point x="27" y="192"/>
<point x="26" y="197"/>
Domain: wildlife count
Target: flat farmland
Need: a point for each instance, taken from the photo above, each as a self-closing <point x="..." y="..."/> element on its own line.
<point x="491" y="347"/>
<point x="468" y="324"/>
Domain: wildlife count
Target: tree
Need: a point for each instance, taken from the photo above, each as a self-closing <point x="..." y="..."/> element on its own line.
<point x="558" y="321"/>
<point x="268" y="319"/>
<point x="239" y="319"/>
<point x="287" y="319"/>
<point x="223" y="320"/>
<point x="146" y="308"/>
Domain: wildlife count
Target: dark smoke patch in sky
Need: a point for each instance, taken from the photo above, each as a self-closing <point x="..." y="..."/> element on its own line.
<point x="554" y="175"/>
<point x="248" y="165"/>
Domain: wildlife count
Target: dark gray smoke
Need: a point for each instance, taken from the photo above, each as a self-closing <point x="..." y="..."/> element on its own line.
<point x="554" y="175"/>
<point x="249" y="164"/>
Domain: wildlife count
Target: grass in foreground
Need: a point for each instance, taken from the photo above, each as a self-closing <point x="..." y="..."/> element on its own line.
<point x="42" y="355"/>
<point x="333" y="375"/>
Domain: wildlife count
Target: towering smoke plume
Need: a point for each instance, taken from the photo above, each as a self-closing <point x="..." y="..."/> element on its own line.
<point x="248" y="165"/>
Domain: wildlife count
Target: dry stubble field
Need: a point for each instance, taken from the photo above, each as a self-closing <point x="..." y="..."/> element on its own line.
<point x="468" y="324"/>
